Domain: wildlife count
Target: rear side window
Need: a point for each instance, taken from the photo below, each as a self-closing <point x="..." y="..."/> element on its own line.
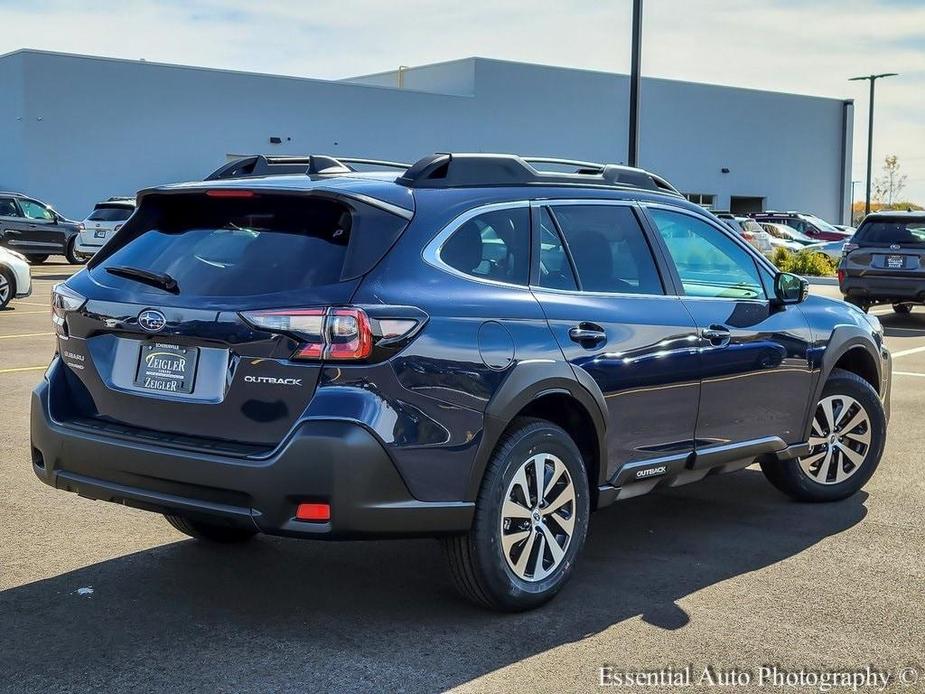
<point x="250" y="246"/>
<point x="889" y="232"/>
<point x="8" y="208"/>
<point x="609" y="249"/>
<point x="494" y="245"/>
<point x="110" y="213"/>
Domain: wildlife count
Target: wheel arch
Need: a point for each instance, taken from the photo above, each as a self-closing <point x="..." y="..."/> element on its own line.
<point x="852" y="349"/>
<point x="552" y="392"/>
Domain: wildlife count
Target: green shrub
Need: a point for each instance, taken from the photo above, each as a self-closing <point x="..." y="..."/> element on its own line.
<point x="782" y="258"/>
<point x="812" y="263"/>
<point x="806" y="262"/>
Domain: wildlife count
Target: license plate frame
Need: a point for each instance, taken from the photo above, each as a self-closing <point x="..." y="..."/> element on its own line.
<point x="100" y="234"/>
<point x="895" y="262"/>
<point x="166" y="368"/>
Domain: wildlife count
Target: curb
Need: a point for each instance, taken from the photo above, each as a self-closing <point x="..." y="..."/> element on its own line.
<point x="824" y="281"/>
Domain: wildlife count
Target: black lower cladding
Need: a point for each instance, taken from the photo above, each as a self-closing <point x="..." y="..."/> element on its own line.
<point x="337" y="462"/>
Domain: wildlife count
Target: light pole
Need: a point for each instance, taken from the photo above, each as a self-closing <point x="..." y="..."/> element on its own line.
<point x="632" y="150"/>
<point x="870" y="128"/>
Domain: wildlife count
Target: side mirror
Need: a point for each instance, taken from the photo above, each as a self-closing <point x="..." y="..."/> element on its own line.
<point x="790" y="288"/>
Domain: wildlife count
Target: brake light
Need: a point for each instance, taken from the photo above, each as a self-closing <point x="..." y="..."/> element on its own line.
<point x="841" y="276"/>
<point x="333" y="333"/>
<point x="64" y="300"/>
<point x="227" y="193"/>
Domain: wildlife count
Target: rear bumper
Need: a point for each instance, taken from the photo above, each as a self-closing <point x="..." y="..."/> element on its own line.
<point x="884" y="289"/>
<point x="336" y="462"/>
<point x="86" y="249"/>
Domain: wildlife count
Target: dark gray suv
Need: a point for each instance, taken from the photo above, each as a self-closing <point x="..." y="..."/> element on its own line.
<point x="883" y="262"/>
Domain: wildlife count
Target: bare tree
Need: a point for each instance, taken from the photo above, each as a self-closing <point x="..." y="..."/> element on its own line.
<point x="888" y="186"/>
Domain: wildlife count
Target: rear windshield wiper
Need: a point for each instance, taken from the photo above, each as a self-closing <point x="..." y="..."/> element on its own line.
<point x="161" y="280"/>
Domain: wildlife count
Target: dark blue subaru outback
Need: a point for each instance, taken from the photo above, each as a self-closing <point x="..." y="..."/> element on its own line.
<point x="484" y="348"/>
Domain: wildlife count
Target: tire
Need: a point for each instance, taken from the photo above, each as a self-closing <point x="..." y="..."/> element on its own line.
<point x="477" y="562"/>
<point x="902" y="309"/>
<point x="863" y="305"/>
<point x="71" y="255"/>
<point x="7" y="287"/>
<point x="801" y="478"/>
<point x="211" y="532"/>
<point x="37" y="259"/>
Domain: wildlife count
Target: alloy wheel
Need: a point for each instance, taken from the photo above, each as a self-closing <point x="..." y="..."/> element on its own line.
<point x="5" y="289"/>
<point x="538" y="517"/>
<point x="839" y="441"/>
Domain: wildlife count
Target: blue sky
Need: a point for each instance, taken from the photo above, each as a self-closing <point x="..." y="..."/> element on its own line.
<point x="804" y="46"/>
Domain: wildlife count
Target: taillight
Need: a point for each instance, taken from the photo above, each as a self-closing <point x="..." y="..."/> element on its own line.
<point x="841" y="276"/>
<point x="63" y="301"/>
<point x="349" y="334"/>
<point x="334" y="333"/>
<point x="747" y="235"/>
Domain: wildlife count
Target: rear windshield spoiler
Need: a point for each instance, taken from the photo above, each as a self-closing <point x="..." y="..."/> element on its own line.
<point x="343" y="195"/>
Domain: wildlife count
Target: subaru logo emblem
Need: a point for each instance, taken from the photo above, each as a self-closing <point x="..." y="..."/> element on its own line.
<point x="151" y="320"/>
<point x="895" y="246"/>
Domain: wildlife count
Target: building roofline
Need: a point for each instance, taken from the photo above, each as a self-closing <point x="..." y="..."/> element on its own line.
<point x="348" y="80"/>
<point x="227" y="71"/>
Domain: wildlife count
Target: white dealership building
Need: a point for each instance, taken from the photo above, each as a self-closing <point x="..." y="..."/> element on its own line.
<point x="78" y="129"/>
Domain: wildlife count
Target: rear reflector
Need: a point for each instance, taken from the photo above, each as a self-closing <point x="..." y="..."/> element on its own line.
<point x="230" y="193"/>
<point x="313" y="512"/>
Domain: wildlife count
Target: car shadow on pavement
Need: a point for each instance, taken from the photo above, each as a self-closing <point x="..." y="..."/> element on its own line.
<point x="313" y="616"/>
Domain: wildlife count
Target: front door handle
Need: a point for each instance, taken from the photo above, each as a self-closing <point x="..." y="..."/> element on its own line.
<point x="587" y="334"/>
<point x="717" y="335"/>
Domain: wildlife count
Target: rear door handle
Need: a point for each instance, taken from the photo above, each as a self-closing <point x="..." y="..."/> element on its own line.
<point x="717" y="335"/>
<point x="587" y="334"/>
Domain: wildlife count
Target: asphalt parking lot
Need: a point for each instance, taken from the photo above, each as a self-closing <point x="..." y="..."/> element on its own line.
<point x="726" y="573"/>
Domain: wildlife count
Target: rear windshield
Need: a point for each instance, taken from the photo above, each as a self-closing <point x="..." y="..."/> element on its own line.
<point x="244" y="247"/>
<point x="888" y="232"/>
<point x="111" y="213"/>
<point x="751" y="226"/>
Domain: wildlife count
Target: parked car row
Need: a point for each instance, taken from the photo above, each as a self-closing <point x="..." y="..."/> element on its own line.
<point x="34" y="230"/>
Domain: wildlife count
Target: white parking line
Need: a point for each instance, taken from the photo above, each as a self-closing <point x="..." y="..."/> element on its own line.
<point x="23" y="368"/>
<point x="908" y="373"/>
<point x="907" y="352"/>
<point x="10" y="337"/>
<point x="23" y="313"/>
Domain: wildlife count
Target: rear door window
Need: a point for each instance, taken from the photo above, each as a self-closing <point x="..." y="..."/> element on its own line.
<point x="247" y="247"/>
<point x="609" y="249"/>
<point x="8" y="208"/>
<point x="494" y="245"/>
<point x="891" y="232"/>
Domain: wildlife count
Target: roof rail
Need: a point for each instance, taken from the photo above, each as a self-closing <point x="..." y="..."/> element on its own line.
<point x="312" y="164"/>
<point x="456" y="170"/>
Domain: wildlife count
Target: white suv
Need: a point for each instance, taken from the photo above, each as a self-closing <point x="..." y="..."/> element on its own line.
<point x="15" y="277"/>
<point x="105" y="220"/>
